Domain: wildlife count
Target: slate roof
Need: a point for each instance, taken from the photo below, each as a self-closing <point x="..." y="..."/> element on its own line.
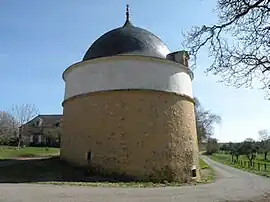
<point x="47" y="119"/>
<point x="50" y="119"/>
<point x="127" y="39"/>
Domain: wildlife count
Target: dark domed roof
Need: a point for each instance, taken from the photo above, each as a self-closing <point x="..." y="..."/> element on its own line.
<point x="127" y="40"/>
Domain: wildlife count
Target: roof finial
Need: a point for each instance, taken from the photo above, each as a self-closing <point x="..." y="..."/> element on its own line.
<point x="127" y="23"/>
<point x="127" y="12"/>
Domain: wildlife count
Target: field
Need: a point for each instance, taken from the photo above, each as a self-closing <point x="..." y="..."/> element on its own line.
<point x="259" y="158"/>
<point x="260" y="166"/>
<point x="7" y="152"/>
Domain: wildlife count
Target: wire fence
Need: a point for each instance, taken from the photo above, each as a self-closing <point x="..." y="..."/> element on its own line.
<point x="253" y="165"/>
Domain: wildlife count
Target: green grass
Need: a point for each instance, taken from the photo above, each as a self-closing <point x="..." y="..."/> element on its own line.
<point x="222" y="158"/>
<point x="8" y="152"/>
<point x="207" y="173"/>
<point x="226" y="159"/>
<point x="260" y="158"/>
<point x="203" y="165"/>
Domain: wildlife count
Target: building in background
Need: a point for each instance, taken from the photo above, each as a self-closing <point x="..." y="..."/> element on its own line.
<point x="42" y="130"/>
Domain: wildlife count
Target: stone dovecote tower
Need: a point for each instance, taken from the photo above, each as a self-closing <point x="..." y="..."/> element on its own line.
<point x="129" y="108"/>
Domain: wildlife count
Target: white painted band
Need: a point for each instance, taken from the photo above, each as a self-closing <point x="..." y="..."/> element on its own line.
<point x="131" y="73"/>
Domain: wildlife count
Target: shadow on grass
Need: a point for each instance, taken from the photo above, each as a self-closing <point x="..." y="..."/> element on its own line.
<point x="52" y="170"/>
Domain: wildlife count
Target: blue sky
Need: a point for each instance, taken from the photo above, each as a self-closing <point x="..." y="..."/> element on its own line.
<point x="40" y="39"/>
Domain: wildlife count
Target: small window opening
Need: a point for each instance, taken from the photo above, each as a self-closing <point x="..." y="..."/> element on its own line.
<point x="89" y="157"/>
<point x="193" y="171"/>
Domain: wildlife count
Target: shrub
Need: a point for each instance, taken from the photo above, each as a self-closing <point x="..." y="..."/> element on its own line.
<point x="212" y="146"/>
<point x="9" y="141"/>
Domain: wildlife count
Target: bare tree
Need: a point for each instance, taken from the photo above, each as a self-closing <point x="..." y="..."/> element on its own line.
<point x="23" y="113"/>
<point x="264" y="144"/>
<point x="8" y="124"/>
<point x="205" y="121"/>
<point x="239" y="43"/>
<point x="264" y="134"/>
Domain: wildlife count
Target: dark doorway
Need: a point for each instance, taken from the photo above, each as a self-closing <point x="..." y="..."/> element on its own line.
<point x="89" y="157"/>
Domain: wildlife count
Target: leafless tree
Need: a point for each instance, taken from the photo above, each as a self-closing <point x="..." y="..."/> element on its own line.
<point x="239" y="43"/>
<point x="8" y="124"/>
<point x="264" y="144"/>
<point x="205" y="121"/>
<point x="23" y="113"/>
<point x="264" y="134"/>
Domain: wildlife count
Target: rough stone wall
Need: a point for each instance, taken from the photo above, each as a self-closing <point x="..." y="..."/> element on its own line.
<point x="148" y="134"/>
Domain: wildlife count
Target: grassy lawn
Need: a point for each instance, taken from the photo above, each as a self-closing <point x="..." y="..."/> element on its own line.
<point x="226" y="159"/>
<point x="203" y="165"/>
<point x="7" y="152"/>
<point x="207" y="173"/>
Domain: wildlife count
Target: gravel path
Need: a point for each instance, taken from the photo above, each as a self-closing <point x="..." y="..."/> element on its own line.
<point x="231" y="185"/>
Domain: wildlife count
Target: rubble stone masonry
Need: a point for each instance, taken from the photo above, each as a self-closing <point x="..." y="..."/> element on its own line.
<point x="141" y="133"/>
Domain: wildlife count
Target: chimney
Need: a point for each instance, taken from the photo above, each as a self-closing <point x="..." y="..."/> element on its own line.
<point x="181" y="57"/>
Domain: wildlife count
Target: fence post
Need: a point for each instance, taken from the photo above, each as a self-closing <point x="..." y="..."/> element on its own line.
<point x="265" y="168"/>
<point x="259" y="167"/>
